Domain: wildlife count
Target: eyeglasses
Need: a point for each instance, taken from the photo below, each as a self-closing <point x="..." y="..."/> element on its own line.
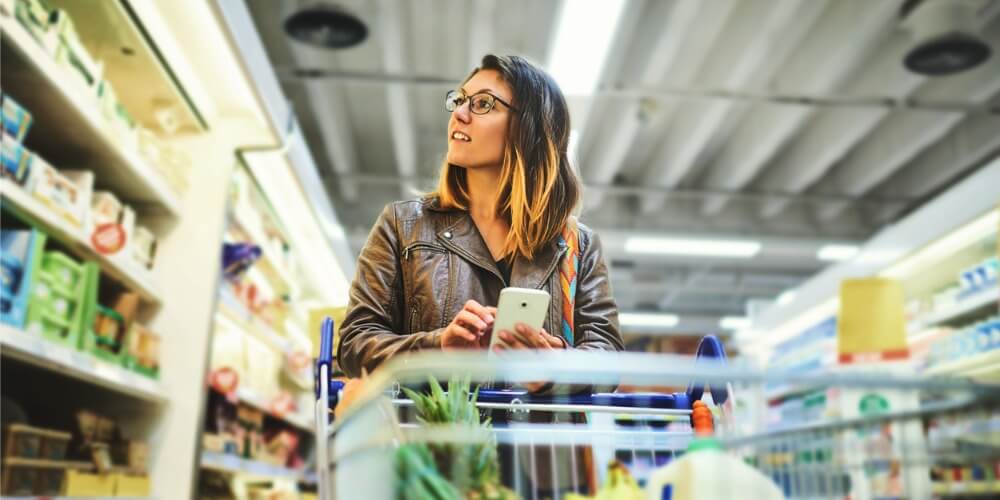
<point x="481" y="103"/>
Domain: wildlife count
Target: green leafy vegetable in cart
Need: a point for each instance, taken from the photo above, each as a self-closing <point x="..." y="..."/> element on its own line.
<point x="439" y="471"/>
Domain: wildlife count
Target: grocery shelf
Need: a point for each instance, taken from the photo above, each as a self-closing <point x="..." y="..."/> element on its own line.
<point x="68" y="123"/>
<point x="251" y="398"/>
<point x="231" y="308"/>
<point x="982" y="366"/>
<point x="76" y="364"/>
<point x="977" y="301"/>
<point x="119" y="267"/>
<point x="967" y="488"/>
<point x="233" y="464"/>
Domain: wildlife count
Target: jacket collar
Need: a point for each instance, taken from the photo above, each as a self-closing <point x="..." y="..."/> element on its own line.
<point x="462" y="237"/>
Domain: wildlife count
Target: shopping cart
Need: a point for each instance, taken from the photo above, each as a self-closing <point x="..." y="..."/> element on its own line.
<point x="876" y="435"/>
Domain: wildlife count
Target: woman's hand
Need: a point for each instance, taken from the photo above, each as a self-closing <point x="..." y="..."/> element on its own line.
<point x="470" y="325"/>
<point x="530" y="338"/>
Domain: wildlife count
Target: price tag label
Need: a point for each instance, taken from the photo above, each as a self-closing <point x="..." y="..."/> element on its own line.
<point x="109" y="373"/>
<point x="59" y="354"/>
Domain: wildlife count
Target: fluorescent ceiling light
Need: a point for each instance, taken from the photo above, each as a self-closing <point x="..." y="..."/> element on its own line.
<point x="584" y="33"/>
<point x="734" y="323"/>
<point x="738" y="249"/>
<point x="835" y="253"/>
<point x="648" y="319"/>
<point x="785" y="297"/>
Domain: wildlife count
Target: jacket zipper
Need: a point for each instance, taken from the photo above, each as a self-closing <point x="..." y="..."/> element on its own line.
<point x="421" y="246"/>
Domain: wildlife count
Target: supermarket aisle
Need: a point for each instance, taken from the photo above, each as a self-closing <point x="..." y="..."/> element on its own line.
<point x="187" y="187"/>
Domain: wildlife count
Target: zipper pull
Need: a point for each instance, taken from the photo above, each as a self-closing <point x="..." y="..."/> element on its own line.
<point x="406" y="253"/>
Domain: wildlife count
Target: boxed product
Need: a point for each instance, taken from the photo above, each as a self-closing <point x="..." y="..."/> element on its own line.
<point x="143" y="246"/>
<point x="131" y="454"/>
<point x="113" y="224"/>
<point x="16" y="160"/>
<point x="34" y="16"/>
<point x="21" y="249"/>
<point x="60" y="193"/>
<point x="71" y="53"/>
<point x="120" y="122"/>
<point x="23" y="441"/>
<point x="142" y="353"/>
<point x="85" y="484"/>
<point x="129" y="485"/>
<point x="16" y="119"/>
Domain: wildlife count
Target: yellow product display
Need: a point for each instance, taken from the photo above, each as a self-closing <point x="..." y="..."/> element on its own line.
<point x="871" y="321"/>
<point x="131" y="486"/>
<point x="85" y="484"/>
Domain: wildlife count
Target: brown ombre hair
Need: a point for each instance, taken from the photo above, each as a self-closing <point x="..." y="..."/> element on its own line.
<point x="538" y="189"/>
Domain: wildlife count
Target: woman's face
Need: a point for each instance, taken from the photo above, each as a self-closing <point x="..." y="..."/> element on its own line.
<point x="485" y="136"/>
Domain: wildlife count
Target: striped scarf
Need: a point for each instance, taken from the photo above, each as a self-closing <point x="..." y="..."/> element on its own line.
<point x="568" y="276"/>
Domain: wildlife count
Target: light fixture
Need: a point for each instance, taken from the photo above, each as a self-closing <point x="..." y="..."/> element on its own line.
<point x="326" y="26"/>
<point x="733" y="249"/>
<point x="734" y="323"/>
<point x="648" y="319"/>
<point x="584" y="33"/>
<point x="835" y="253"/>
<point x="944" y="38"/>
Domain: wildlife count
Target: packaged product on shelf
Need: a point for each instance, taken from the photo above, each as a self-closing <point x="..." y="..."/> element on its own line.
<point x="57" y="309"/>
<point x="86" y="484"/>
<point x="72" y="55"/>
<point x="34" y="16"/>
<point x="23" y="441"/>
<point x="112" y="223"/>
<point x="144" y="246"/>
<point x="131" y="485"/>
<point x="16" y="160"/>
<point x="108" y="330"/>
<point x="61" y="194"/>
<point x="122" y="126"/>
<point x="16" y="119"/>
<point x="142" y="352"/>
<point x="19" y="251"/>
<point x="132" y="454"/>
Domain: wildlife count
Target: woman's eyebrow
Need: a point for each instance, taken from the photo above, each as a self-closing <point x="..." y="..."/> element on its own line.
<point x="487" y="89"/>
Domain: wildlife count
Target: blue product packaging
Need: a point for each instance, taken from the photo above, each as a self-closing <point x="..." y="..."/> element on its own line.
<point x="16" y="119"/>
<point x="14" y="159"/>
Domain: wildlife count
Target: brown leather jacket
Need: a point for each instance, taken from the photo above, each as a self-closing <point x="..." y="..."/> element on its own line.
<point x="422" y="262"/>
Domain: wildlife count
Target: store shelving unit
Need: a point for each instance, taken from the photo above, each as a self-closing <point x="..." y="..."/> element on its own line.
<point x="119" y="267"/>
<point x="78" y="365"/>
<point x="981" y="366"/>
<point x="250" y="398"/>
<point x="234" y="311"/>
<point x="54" y="100"/>
<point x="977" y="301"/>
<point x="232" y="464"/>
<point x="986" y="489"/>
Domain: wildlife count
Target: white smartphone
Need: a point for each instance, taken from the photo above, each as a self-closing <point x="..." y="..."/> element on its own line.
<point x="519" y="305"/>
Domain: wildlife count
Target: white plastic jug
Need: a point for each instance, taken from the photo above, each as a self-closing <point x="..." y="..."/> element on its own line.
<point x="707" y="472"/>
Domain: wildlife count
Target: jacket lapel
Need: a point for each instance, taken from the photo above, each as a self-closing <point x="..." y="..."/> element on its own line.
<point x="463" y="238"/>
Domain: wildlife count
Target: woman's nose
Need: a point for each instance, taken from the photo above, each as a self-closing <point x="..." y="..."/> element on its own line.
<point x="462" y="111"/>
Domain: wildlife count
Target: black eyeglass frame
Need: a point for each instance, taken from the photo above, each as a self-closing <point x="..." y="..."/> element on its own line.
<point x="448" y="99"/>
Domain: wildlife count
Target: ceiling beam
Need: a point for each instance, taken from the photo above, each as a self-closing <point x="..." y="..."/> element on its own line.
<point x="401" y="124"/>
<point x="328" y="101"/>
<point x="767" y="128"/>
<point x="733" y="65"/>
<point x="972" y="143"/>
<point x="624" y="123"/>
<point x="903" y="135"/>
<point x="481" y="36"/>
<point x="835" y="131"/>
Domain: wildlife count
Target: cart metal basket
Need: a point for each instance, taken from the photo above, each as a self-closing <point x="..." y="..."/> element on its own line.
<point x="877" y="433"/>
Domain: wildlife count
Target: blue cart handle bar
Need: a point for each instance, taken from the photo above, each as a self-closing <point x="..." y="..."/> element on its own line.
<point x="708" y="348"/>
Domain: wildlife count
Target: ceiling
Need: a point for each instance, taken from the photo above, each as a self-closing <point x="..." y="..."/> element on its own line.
<point x="790" y="122"/>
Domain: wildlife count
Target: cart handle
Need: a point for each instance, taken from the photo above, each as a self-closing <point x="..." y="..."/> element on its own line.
<point x="325" y="352"/>
<point x="709" y="347"/>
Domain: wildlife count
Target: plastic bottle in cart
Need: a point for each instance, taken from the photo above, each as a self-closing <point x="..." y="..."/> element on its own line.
<point x="707" y="472"/>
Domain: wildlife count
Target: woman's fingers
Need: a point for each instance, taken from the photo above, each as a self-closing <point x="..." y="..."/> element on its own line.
<point x="512" y="341"/>
<point x="532" y="337"/>
<point x="479" y="310"/>
<point x="471" y="321"/>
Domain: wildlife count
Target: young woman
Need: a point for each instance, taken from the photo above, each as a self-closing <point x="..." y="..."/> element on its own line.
<point x="432" y="269"/>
